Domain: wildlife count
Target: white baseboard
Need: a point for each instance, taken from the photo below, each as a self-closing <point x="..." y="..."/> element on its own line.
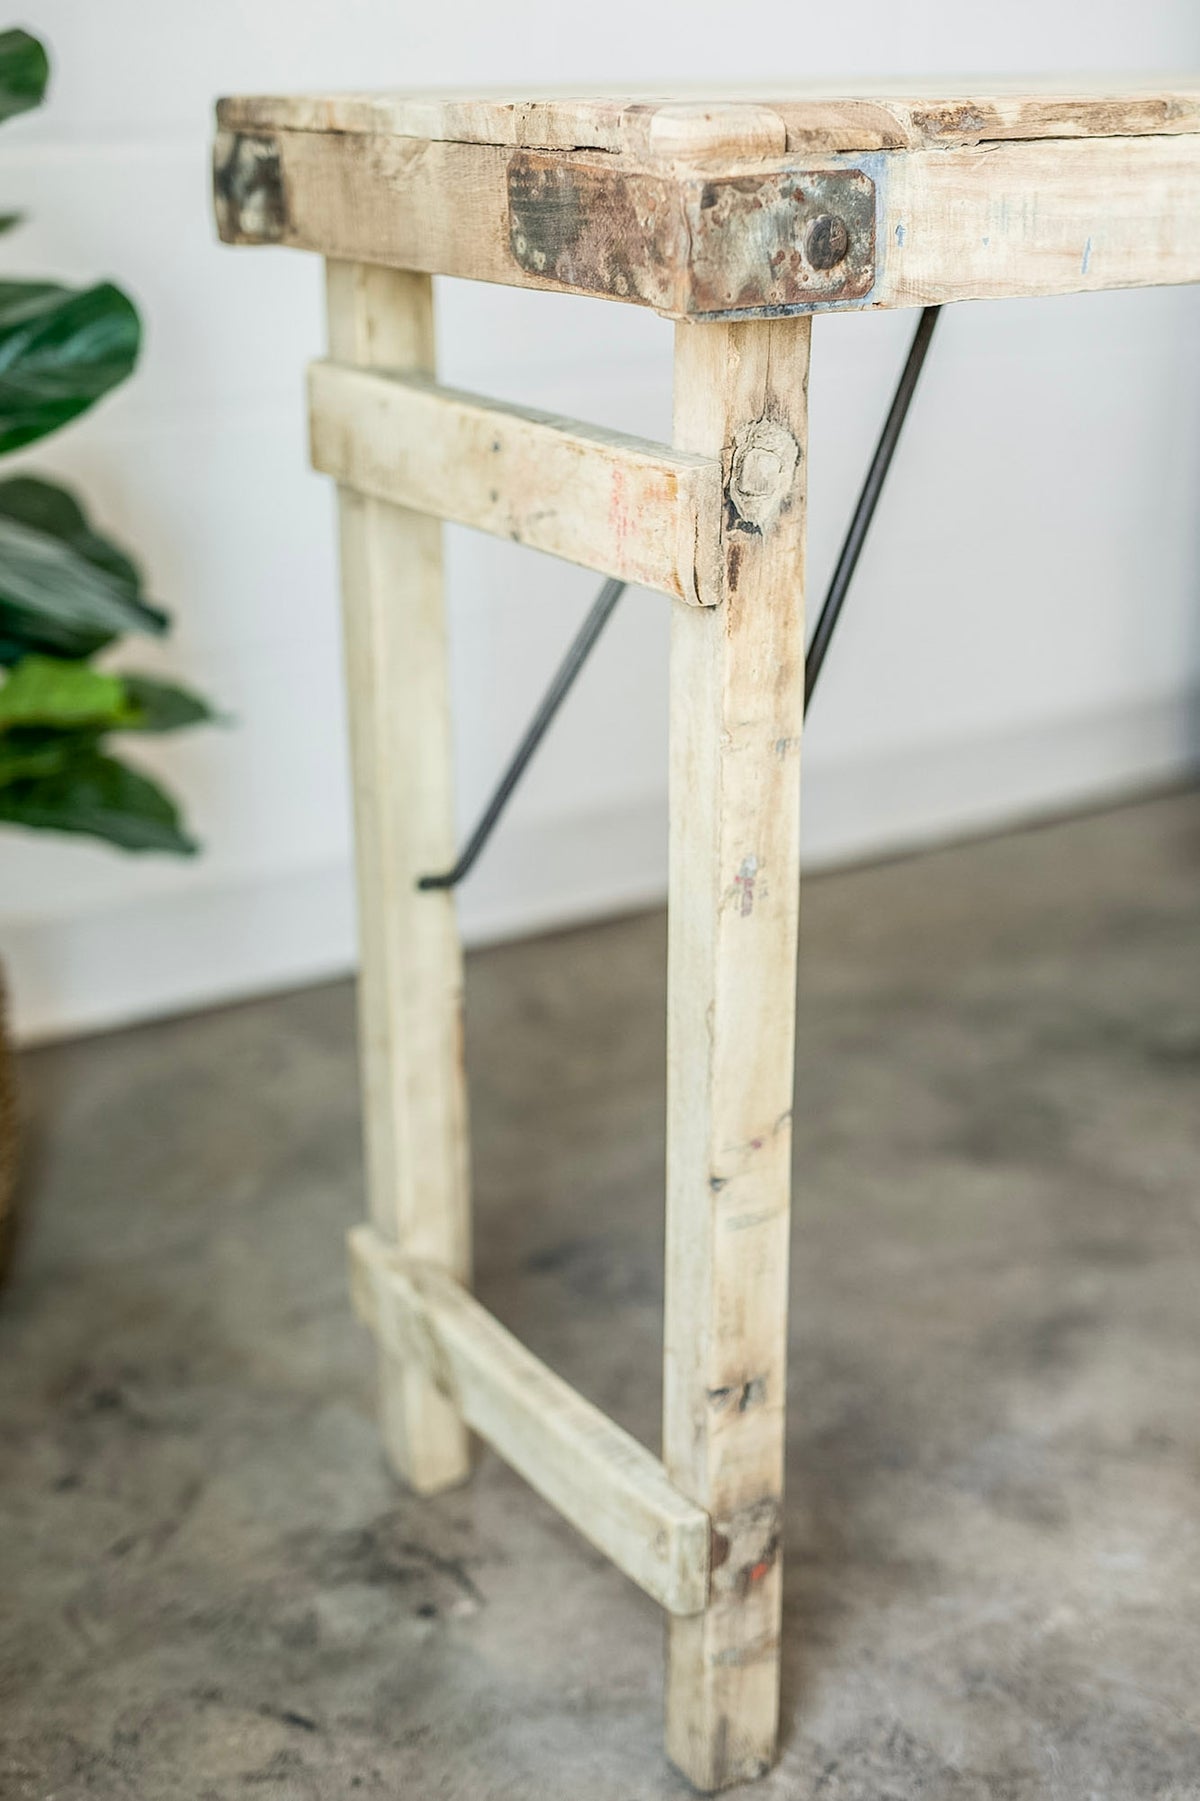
<point x="175" y="952"/>
<point x="209" y="944"/>
<point x="884" y="805"/>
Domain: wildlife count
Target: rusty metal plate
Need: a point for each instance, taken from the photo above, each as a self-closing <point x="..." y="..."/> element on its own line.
<point x="248" y="190"/>
<point x="596" y="229"/>
<point x="690" y="245"/>
<point x="782" y="240"/>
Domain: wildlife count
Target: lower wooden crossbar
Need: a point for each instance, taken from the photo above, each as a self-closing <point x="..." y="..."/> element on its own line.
<point x="610" y="1487"/>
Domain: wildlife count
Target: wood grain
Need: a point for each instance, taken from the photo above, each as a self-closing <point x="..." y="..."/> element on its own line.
<point x="820" y="116"/>
<point x="1030" y="219"/>
<point x="682" y="242"/>
<point x="410" y="980"/>
<point x="617" y="504"/>
<point x="608" y="1486"/>
<point x="737" y="701"/>
<point x="923" y="226"/>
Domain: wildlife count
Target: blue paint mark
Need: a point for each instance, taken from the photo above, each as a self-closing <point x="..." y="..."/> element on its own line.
<point x="900" y="236"/>
<point x="1087" y="257"/>
<point x="986" y="242"/>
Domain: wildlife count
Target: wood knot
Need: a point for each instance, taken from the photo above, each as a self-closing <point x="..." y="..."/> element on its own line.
<point x="762" y="469"/>
<point x="745" y="1549"/>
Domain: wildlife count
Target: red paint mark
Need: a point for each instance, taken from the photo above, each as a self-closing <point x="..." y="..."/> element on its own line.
<point x="618" y="511"/>
<point x="759" y="1570"/>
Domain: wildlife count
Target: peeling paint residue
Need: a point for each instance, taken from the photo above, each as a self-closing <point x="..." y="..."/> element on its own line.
<point x="250" y="197"/>
<point x="1087" y="257"/>
<point x="744" y="883"/>
<point x="753" y="1535"/>
<point x="618" y="510"/>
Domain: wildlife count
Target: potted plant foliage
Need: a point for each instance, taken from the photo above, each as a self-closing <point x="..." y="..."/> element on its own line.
<point x="67" y="594"/>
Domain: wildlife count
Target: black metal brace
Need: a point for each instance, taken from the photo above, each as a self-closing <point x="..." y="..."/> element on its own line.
<point x="602" y="608"/>
<point x="598" y="617"/>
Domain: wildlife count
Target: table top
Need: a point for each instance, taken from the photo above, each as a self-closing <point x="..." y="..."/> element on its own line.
<point x="820" y="118"/>
<point x="752" y="202"/>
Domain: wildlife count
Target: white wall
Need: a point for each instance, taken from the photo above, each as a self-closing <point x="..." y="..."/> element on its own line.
<point x="1024" y="632"/>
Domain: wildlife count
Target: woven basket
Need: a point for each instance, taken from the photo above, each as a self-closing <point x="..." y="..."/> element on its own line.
<point x="10" y="1137"/>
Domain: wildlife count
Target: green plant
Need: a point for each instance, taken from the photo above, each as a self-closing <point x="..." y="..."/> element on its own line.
<point x="66" y="593"/>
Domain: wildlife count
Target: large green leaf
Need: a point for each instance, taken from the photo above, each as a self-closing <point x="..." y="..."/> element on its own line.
<point x="68" y="694"/>
<point x="24" y="72"/>
<point x="60" y="350"/>
<point x="64" y="590"/>
<point x="154" y="706"/>
<point x="54" y="691"/>
<point x="34" y="752"/>
<point x="93" y="794"/>
<point x="50" y="508"/>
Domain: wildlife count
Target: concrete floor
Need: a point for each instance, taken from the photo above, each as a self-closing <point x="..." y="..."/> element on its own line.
<point x="210" y="1585"/>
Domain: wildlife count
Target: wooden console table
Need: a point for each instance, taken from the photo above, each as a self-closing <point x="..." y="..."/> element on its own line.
<point x="738" y="218"/>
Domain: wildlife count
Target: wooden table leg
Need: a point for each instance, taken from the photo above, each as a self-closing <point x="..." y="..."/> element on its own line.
<point x="410" y="984"/>
<point x="737" y="698"/>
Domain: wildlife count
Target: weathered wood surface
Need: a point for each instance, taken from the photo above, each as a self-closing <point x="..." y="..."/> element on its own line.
<point x="735" y="238"/>
<point x="812" y="117"/>
<point x="617" y="504"/>
<point x="410" y="980"/>
<point x="610" y="1487"/>
<point x="581" y="222"/>
<point x="737" y="701"/>
<point x="1030" y="218"/>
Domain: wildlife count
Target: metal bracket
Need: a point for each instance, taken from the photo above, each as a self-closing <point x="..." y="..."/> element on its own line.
<point x="692" y="244"/>
<point x="602" y="608"/>
<point x="868" y="500"/>
<point x="248" y="189"/>
<point x="581" y="647"/>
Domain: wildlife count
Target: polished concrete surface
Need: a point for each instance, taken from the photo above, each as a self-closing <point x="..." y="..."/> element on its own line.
<point x="210" y="1586"/>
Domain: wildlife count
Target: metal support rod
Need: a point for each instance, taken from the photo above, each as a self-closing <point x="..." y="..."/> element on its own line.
<point x="868" y="499"/>
<point x="598" y="617"/>
<point x="612" y="591"/>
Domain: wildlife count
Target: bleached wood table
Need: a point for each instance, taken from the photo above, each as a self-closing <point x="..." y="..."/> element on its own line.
<point x="738" y="218"/>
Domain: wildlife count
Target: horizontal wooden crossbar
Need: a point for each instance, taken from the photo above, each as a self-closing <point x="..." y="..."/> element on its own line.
<point x="620" y="505"/>
<point x="610" y="1487"/>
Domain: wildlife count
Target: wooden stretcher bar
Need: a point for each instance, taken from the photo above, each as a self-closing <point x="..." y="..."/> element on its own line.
<point x="610" y="1487"/>
<point x="616" y="504"/>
